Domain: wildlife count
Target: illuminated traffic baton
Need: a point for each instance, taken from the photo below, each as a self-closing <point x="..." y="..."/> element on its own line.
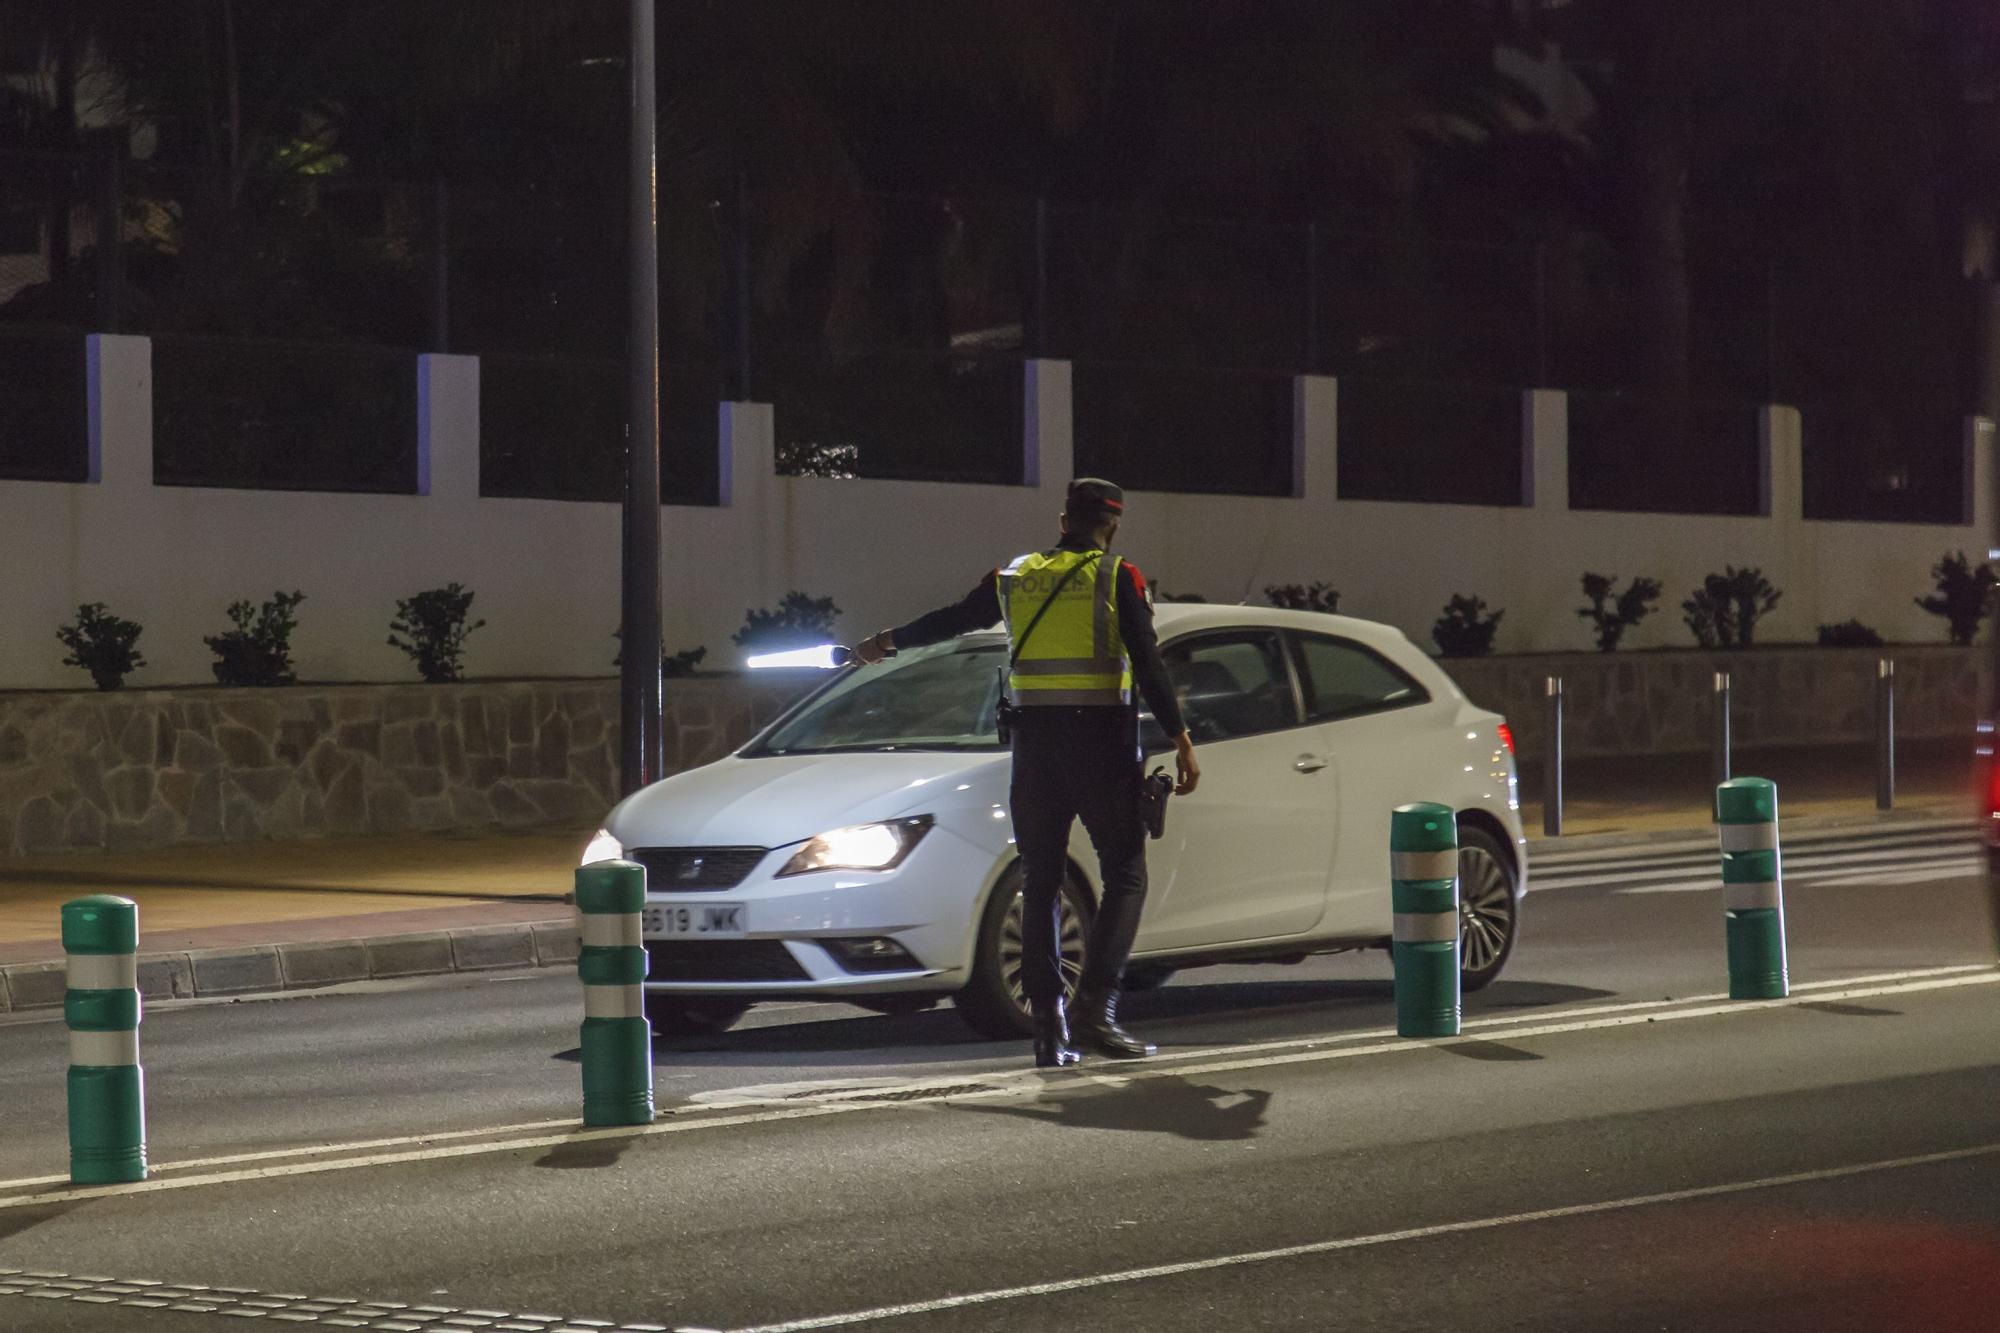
<point x="1746" y="817"/>
<point x="1423" y="889"/>
<point x="617" y="1040"/>
<point x="107" y="1093"/>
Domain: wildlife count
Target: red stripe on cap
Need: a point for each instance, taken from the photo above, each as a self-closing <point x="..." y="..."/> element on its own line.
<point x="1115" y="506"/>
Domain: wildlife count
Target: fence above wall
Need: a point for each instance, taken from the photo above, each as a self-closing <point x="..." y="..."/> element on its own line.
<point x="545" y="573"/>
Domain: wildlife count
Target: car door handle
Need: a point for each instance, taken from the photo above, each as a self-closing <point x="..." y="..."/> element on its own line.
<point x="1309" y="763"/>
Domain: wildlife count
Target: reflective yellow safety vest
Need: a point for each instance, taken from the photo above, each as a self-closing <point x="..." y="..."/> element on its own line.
<point x="1075" y="654"/>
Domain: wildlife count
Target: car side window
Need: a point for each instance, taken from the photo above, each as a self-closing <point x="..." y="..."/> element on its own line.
<point x="1231" y="686"/>
<point x="1344" y="679"/>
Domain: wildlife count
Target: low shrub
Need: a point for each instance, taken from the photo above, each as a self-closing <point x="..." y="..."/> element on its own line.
<point x="1724" y="611"/>
<point x="798" y="621"/>
<point x="1961" y="597"/>
<point x="102" y="644"/>
<point x="1631" y="606"/>
<point x="1848" y="634"/>
<point x="1315" y="596"/>
<point x="1465" y="630"/>
<point x="1162" y="595"/>
<point x="259" y="650"/>
<point x="431" y="628"/>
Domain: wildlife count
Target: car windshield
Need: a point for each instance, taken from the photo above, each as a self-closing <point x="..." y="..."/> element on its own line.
<point x="938" y="698"/>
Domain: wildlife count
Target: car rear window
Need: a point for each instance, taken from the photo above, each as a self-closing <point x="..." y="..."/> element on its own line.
<point x="1344" y="679"/>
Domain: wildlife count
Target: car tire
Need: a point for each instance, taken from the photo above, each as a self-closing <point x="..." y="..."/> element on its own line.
<point x="992" y="1002"/>
<point x="1148" y="976"/>
<point x="1489" y="909"/>
<point x="692" y="1015"/>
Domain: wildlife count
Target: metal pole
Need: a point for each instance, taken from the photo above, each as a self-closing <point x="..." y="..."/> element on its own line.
<point x="1039" y="345"/>
<point x="740" y="258"/>
<point x="1719" y="753"/>
<point x="1552" y="770"/>
<point x="1312" y="297"/>
<point x="1541" y="314"/>
<point x="440" y="266"/>
<point x="1885" y="734"/>
<point x="111" y="234"/>
<point x="640" y="701"/>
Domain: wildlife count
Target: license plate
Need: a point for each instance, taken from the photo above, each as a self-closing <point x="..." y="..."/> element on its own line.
<point x="697" y="920"/>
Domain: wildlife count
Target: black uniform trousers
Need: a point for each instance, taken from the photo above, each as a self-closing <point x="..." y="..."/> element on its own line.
<point x="1077" y="763"/>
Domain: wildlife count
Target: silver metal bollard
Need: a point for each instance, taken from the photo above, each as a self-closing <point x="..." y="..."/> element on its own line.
<point x="1885" y="734"/>
<point x="1719" y="745"/>
<point x="1552" y="761"/>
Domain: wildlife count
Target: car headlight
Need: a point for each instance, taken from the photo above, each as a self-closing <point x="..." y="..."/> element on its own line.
<point x="602" y="847"/>
<point x="861" y="847"/>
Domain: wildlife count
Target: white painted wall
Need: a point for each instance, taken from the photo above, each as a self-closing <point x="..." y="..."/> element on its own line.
<point x="546" y="572"/>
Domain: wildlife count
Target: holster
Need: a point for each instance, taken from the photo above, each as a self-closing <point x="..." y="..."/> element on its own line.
<point x="1153" y="793"/>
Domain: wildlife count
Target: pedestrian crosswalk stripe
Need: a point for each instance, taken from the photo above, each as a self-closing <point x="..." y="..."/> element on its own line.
<point x="1930" y="853"/>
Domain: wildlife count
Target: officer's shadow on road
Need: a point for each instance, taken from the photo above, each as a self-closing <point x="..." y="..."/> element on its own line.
<point x="1174" y="1106"/>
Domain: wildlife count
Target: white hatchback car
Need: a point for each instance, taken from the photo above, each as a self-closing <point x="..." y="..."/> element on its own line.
<point x="860" y="848"/>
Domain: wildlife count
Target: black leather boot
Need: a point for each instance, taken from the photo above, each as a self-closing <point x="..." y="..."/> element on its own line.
<point x="1053" y="1046"/>
<point x="1097" y="1026"/>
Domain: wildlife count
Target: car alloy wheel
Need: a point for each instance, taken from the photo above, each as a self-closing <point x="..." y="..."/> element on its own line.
<point x="1487" y="911"/>
<point x="994" y="1001"/>
<point x="1069" y="939"/>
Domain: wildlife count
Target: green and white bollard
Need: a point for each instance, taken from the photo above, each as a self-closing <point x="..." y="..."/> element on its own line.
<point x="1423" y="870"/>
<point x="1746" y="815"/>
<point x="107" y="1093"/>
<point x="617" y="1040"/>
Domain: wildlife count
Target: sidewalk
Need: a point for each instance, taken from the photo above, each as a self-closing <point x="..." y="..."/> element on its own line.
<point x="1609" y="800"/>
<point x="247" y="917"/>
<point x="240" y="918"/>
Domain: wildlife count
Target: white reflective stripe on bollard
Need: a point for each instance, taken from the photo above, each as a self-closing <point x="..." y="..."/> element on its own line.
<point x="1749" y="837"/>
<point x="614" y="1002"/>
<point x="99" y="1049"/>
<point x="1424" y="927"/>
<point x="1751" y="897"/>
<point x="1423" y="865"/>
<point x="611" y="930"/>
<point x="103" y="971"/>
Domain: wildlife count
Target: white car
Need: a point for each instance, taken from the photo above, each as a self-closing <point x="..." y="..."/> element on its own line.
<point x="860" y="848"/>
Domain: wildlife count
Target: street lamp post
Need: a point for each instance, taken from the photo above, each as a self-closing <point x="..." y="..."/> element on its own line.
<point x="641" y="743"/>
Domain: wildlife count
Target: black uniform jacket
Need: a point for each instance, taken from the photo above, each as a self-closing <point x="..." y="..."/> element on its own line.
<point x="980" y="608"/>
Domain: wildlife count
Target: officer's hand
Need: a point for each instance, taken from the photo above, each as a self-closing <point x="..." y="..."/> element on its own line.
<point x="870" y="650"/>
<point x="1186" y="769"/>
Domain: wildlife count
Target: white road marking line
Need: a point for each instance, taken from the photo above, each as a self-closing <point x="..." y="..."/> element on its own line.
<point x="847" y="1087"/>
<point x="996" y="1086"/>
<point x="1157" y="1271"/>
<point x="719" y="1098"/>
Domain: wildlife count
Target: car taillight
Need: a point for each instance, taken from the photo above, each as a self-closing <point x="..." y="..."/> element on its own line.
<point x="1507" y="737"/>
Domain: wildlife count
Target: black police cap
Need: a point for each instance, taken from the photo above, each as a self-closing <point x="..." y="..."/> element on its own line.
<point x="1094" y="495"/>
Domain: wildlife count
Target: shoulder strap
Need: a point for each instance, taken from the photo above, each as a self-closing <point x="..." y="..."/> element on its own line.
<point x="1056" y="592"/>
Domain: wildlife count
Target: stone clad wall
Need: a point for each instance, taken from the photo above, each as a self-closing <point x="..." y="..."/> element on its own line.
<point x="1632" y="703"/>
<point x="152" y="768"/>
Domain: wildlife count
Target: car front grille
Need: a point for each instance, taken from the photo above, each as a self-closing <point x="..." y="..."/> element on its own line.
<point x="695" y="869"/>
<point x="722" y="960"/>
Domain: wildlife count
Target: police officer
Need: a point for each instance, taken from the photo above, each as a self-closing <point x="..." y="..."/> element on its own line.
<point x="1080" y="633"/>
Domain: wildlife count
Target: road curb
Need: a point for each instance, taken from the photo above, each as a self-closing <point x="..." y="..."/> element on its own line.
<point x="259" y="969"/>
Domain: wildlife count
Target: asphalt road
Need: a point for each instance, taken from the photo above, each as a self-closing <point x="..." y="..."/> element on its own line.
<point x="1610" y="1146"/>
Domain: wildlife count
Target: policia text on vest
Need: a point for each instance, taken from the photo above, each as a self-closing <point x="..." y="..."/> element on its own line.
<point x="1080" y="638"/>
